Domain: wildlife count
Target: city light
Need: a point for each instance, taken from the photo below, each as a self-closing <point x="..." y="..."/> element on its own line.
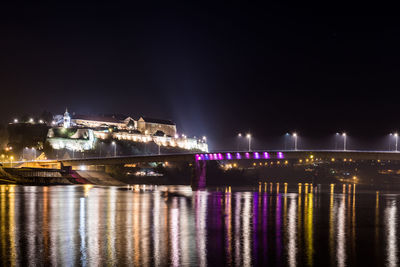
<point x="239" y="137"/>
<point x="248" y="136"/>
<point x="15" y="120"/>
<point x="396" y="138"/>
<point x="344" y="141"/>
<point x="295" y="140"/>
<point x="115" y="148"/>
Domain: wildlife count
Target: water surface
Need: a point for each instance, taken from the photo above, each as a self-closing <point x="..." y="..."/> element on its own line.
<point x="97" y="226"/>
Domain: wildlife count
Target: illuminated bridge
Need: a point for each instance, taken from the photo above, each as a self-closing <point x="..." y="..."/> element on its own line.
<point x="256" y="155"/>
<point x="218" y="156"/>
<point x="198" y="161"/>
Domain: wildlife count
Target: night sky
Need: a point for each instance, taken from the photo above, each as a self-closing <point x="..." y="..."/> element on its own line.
<point x="214" y="69"/>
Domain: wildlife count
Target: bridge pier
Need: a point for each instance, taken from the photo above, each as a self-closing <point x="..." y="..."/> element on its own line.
<point x="199" y="175"/>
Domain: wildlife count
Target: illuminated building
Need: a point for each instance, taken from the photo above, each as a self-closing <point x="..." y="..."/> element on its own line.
<point x="79" y="132"/>
<point x="152" y="126"/>
<point x="67" y="119"/>
<point x="75" y="139"/>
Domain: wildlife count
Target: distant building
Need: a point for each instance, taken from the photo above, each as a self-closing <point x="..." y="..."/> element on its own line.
<point x="104" y="121"/>
<point x="79" y="132"/>
<point x="156" y="126"/>
<point x="74" y="139"/>
<point x="145" y="125"/>
<point x="66" y="119"/>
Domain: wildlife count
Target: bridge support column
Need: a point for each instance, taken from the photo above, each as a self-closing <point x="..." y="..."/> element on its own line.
<point x="199" y="175"/>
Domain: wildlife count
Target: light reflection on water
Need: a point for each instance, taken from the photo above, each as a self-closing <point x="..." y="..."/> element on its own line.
<point x="97" y="226"/>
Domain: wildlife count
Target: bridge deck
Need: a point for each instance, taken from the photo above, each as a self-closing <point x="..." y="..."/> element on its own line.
<point x="256" y="155"/>
<point x="192" y="157"/>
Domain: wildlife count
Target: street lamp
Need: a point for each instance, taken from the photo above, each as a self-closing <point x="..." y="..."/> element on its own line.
<point x="15" y="120"/>
<point x="115" y="148"/>
<point x="239" y="136"/>
<point x="286" y="140"/>
<point x="396" y="136"/>
<point x="34" y="150"/>
<point x="344" y="141"/>
<point x="248" y="136"/>
<point x="336" y="141"/>
<point x="23" y="152"/>
<point x="295" y="140"/>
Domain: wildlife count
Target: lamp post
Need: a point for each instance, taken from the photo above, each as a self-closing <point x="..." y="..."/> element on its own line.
<point x="239" y="136"/>
<point x="34" y="153"/>
<point x="396" y="136"/>
<point x="286" y="140"/>
<point x="295" y="140"/>
<point x="23" y="153"/>
<point x="344" y="141"/>
<point x="115" y="148"/>
<point x="336" y="141"/>
<point x="249" y="137"/>
<point x="11" y="160"/>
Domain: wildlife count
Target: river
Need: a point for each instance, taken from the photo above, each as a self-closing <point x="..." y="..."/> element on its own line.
<point x="173" y="226"/>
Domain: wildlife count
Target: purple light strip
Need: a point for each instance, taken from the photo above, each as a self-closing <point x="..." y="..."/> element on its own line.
<point x="229" y="156"/>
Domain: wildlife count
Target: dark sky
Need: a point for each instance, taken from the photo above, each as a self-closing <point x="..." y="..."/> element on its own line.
<point x="215" y="69"/>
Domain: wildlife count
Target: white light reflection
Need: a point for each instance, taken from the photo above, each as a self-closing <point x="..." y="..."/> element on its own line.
<point x="238" y="202"/>
<point x="246" y="220"/>
<point x="31" y="208"/>
<point x="156" y="224"/>
<point x="82" y="231"/>
<point x="93" y="222"/>
<point x="228" y="227"/>
<point x="145" y="229"/>
<point x="341" y="234"/>
<point x="292" y="233"/>
<point x="184" y="233"/>
<point x="391" y="233"/>
<point x="174" y="227"/>
<point x="201" y="227"/>
<point x="111" y="212"/>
